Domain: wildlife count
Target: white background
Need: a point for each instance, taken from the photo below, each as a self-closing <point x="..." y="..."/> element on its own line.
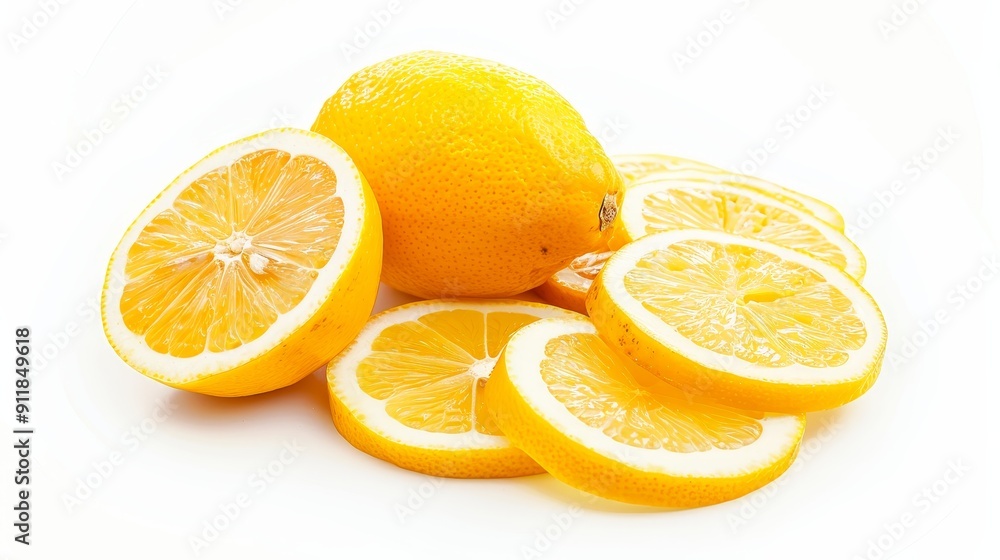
<point x="200" y="74"/>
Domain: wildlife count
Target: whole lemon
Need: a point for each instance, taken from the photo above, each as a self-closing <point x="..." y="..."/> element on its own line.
<point x="487" y="179"/>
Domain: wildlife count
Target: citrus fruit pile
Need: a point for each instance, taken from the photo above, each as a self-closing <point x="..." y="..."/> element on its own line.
<point x="697" y="315"/>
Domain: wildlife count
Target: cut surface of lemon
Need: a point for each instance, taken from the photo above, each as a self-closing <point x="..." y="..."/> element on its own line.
<point x="601" y="424"/>
<point x="664" y="203"/>
<point x="251" y="269"/>
<point x="640" y="167"/>
<point x="408" y="390"/>
<point x="745" y="322"/>
<point x="568" y="287"/>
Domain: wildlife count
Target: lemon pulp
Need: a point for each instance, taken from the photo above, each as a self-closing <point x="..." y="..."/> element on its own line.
<point x="239" y="247"/>
<point x="741" y="301"/>
<point x="734" y="213"/>
<point x="631" y="406"/>
<point x="431" y="371"/>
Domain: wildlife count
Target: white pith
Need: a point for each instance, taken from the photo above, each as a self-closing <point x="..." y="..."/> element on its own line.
<point x="523" y="357"/>
<point x="635" y="224"/>
<point x="855" y="367"/>
<point x="133" y="348"/>
<point x="343" y="381"/>
<point x="483" y="368"/>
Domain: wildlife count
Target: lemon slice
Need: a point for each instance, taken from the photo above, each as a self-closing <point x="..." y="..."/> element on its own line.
<point x="636" y="168"/>
<point x="250" y="270"/>
<point x="408" y="390"/>
<point x="603" y="425"/>
<point x="664" y="203"/>
<point x="745" y="322"/>
<point x="568" y="287"/>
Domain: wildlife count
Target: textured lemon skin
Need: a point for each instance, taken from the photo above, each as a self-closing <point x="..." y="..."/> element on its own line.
<point x="487" y="179"/>
<point x="473" y="463"/>
<point x="641" y="345"/>
<point x="330" y="329"/>
<point x="585" y="469"/>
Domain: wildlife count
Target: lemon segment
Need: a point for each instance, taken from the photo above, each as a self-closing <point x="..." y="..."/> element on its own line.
<point x="603" y="425"/>
<point x="409" y="389"/>
<point x="742" y="321"/>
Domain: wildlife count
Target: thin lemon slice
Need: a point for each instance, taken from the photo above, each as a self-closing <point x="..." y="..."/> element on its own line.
<point x="745" y="322"/>
<point x="668" y="202"/>
<point x="408" y="390"/>
<point x="250" y="270"/>
<point x="603" y="425"/>
<point x="637" y="168"/>
<point x="568" y="287"/>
